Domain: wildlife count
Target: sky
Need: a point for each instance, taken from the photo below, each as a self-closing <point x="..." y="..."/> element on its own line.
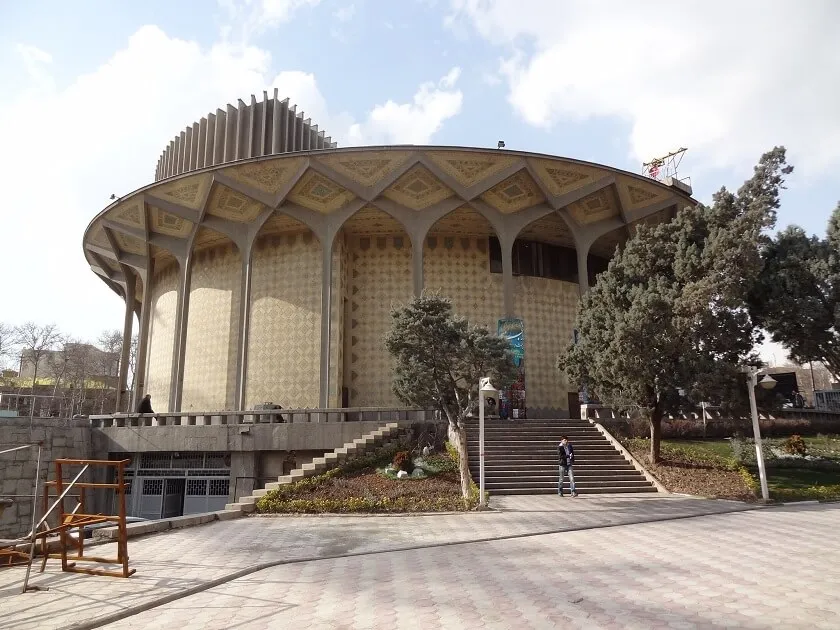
<point x="93" y="91"/>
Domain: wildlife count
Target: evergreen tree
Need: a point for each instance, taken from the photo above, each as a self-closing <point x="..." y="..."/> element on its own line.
<point x="670" y="313"/>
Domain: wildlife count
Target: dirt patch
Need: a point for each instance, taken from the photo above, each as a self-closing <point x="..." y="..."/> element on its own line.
<point x="701" y="474"/>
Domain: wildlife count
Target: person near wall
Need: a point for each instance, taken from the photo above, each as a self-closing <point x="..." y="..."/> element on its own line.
<point x="145" y="405"/>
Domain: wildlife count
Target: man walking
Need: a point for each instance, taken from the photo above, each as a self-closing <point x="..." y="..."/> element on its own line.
<point x="566" y="453"/>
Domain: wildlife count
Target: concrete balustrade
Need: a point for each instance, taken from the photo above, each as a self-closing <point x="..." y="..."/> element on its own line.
<point x="267" y="416"/>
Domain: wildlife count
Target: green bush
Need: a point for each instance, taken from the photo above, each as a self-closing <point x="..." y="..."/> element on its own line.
<point x="795" y="445"/>
<point x="453" y="452"/>
<point x="811" y="493"/>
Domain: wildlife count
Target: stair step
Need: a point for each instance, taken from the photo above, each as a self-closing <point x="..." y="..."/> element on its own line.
<point x="506" y="491"/>
<point x="549" y="483"/>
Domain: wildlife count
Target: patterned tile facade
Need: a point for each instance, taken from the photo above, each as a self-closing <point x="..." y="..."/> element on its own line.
<point x="548" y="308"/>
<point x="285" y="340"/>
<point x="458" y="267"/>
<point x="379" y="275"/>
<point x="162" y="336"/>
<point x="212" y="330"/>
<point x="368" y="169"/>
<point x="468" y="168"/>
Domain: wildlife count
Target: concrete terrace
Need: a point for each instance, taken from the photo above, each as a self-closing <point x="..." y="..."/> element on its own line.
<point x="603" y="561"/>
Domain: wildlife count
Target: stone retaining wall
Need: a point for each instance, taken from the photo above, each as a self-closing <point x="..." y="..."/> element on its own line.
<point x="59" y="438"/>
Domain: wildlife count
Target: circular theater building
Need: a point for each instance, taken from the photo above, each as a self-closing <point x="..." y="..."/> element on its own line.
<point x="263" y="261"/>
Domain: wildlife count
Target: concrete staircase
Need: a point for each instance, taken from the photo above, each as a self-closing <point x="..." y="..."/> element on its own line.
<point x="369" y="442"/>
<point x="521" y="458"/>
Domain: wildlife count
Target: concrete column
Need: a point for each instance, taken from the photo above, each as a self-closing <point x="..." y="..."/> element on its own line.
<point x="122" y="396"/>
<point x="582" y="250"/>
<point x="326" y="311"/>
<point x="182" y="316"/>
<point x="243" y="473"/>
<point x="244" y="327"/>
<point x="507" y="274"/>
<point x="143" y="340"/>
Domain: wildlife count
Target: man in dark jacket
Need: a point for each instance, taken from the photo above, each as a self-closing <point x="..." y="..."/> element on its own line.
<point x="146" y="405"/>
<point x="566" y="454"/>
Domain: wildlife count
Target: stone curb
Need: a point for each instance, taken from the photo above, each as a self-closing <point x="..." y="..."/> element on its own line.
<point x="140" y="608"/>
<point x="108" y="534"/>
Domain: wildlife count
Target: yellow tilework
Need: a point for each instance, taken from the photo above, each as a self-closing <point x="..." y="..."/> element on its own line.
<point x="162" y="337"/>
<point x="212" y="331"/>
<point x="459" y="268"/>
<point x="379" y="277"/>
<point x="548" y="308"/>
<point x="285" y="340"/>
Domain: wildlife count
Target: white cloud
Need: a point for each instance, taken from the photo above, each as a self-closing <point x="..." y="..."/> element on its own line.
<point x="345" y="14"/>
<point x="69" y="148"/>
<point x="389" y="123"/>
<point x="252" y="17"/>
<point x="727" y="79"/>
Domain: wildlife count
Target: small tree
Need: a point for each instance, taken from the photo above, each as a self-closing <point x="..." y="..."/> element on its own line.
<point x="36" y="342"/>
<point x="8" y="343"/>
<point x="439" y="361"/>
<point x="670" y="312"/>
<point x="796" y="298"/>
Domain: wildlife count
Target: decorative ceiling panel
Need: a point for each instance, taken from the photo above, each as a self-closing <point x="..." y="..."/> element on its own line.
<point x="206" y="237"/>
<point x="189" y="191"/>
<point x="470" y="167"/>
<point x="162" y="258"/>
<point x="464" y="221"/>
<point x="279" y="223"/>
<point x="229" y="204"/>
<point x="598" y="206"/>
<point x="517" y="192"/>
<point x="550" y="229"/>
<point x="639" y="193"/>
<point x="560" y="177"/>
<point x="418" y="189"/>
<point x="371" y="220"/>
<point x="319" y="193"/>
<point x="169" y="224"/>
<point x="368" y="168"/>
<point x="97" y="236"/>
<point x="128" y="213"/>
<point x="269" y="176"/>
<point x="130" y="244"/>
<point x="663" y="216"/>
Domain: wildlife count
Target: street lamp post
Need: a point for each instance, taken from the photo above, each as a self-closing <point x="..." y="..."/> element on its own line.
<point x="485" y="391"/>
<point x="768" y="382"/>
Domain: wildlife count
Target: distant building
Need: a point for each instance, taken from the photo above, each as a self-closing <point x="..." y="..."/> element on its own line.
<point x="74" y="359"/>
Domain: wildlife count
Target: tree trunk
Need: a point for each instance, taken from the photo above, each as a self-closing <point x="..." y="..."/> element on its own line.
<point x="655" y="433"/>
<point x="458" y="438"/>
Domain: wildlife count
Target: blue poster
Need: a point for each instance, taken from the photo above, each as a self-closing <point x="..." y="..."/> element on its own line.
<point x="514" y="331"/>
<point x="512" y="401"/>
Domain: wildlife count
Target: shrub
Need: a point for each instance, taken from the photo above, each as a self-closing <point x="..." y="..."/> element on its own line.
<point x="453" y="452"/>
<point x="795" y="445"/>
<point x="402" y="461"/>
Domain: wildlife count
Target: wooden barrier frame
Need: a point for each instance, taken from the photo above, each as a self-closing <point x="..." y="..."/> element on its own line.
<point x="79" y="519"/>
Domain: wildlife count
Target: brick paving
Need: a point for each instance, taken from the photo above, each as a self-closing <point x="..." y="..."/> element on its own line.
<point x="762" y="568"/>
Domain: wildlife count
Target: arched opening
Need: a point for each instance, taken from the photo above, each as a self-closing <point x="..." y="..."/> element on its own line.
<point x="546" y="295"/>
<point x="376" y="272"/>
<point x="284" y="340"/>
<point x="460" y="262"/>
<point x="212" y="340"/>
<point x="602" y="251"/>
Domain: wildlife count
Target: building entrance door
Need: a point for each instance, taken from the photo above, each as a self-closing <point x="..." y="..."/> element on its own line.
<point x="574" y="405"/>
<point x="173" y="498"/>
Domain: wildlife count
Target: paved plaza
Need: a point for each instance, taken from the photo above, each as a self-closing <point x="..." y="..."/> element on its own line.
<point x="537" y="562"/>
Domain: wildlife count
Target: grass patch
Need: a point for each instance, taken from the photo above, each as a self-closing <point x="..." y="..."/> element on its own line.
<point x="711" y="468"/>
